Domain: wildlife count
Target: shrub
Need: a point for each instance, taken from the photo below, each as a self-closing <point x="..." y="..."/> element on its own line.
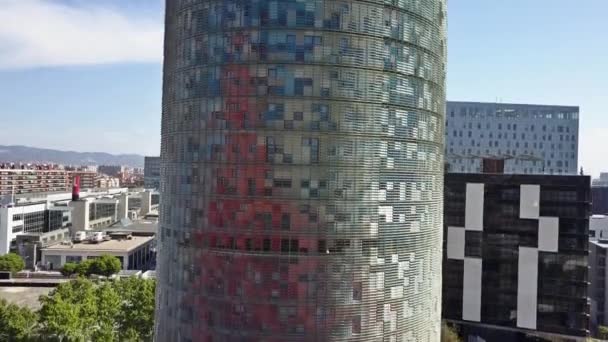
<point x="105" y="265"/>
<point x="11" y="262"/>
<point x="69" y="268"/>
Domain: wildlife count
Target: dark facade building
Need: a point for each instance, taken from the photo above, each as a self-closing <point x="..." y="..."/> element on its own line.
<point x="302" y="171"/>
<point x="516" y="254"/>
<point x="599" y="197"/>
<point x="152" y="172"/>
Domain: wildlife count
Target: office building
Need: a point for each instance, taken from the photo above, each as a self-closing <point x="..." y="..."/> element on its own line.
<point x="516" y="255"/>
<point x="37" y="217"/>
<point x="152" y="172"/>
<point x="37" y="220"/>
<point x="302" y="169"/>
<point x="531" y="139"/>
<point x="599" y="197"/>
<point x="134" y="252"/>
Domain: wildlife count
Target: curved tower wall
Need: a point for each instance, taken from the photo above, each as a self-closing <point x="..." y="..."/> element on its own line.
<point x="302" y="171"/>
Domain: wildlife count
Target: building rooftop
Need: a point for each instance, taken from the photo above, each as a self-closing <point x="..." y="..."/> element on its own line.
<point x="506" y="104"/>
<point x="137" y="226"/>
<point x="108" y="246"/>
<point x="603" y="243"/>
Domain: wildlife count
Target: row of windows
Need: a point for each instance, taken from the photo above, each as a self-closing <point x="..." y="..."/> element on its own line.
<point x="514" y="113"/>
<point x="466" y="155"/>
<point x="549" y="137"/>
<point x="355" y="17"/>
<point x="289" y="47"/>
<point x="370" y="86"/>
<point x="499" y="126"/>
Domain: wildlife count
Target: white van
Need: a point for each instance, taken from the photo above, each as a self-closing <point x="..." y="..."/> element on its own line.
<point x="96" y="237"/>
<point x="79" y="236"/>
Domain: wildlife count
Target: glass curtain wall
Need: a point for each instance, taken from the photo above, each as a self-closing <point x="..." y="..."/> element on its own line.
<point x="302" y="166"/>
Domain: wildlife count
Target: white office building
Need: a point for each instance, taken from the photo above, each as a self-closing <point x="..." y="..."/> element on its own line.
<point x="531" y="139"/>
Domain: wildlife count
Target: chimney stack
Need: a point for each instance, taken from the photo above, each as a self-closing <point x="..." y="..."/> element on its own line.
<point x="76" y="188"/>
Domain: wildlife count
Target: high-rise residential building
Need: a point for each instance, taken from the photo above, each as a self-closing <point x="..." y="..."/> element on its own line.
<point x="87" y="179"/>
<point x="18" y="179"/>
<point x="152" y="172"/>
<point x="302" y="167"/>
<point x="516" y="255"/>
<point x="531" y="139"/>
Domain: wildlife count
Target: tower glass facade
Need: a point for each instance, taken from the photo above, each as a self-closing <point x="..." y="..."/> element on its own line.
<point x="302" y="165"/>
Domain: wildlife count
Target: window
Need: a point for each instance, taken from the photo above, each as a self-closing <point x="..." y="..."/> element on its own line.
<point x="282" y="183"/>
<point x="266" y="245"/>
<point x="73" y="258"/>
<point x="285" y="221"/>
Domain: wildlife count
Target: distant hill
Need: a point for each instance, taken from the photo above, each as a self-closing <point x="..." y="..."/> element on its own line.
<point x="25" y="154"/>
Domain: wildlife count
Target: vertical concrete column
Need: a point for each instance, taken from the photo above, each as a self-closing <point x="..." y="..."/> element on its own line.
<point x="123" y="206"/>
<point x="146" y="203"/>
<point x="80" y="216"/>
<point x="6" y="222"/>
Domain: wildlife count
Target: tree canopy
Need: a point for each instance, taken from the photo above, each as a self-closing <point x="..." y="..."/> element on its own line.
<point x="16" y="323"/>
<point x="11" y="262"/>
<point x="85" y="310"/>
<point x="105" y="265"/>
<point x="116" y="310"/>
<point x="603" y="332"/>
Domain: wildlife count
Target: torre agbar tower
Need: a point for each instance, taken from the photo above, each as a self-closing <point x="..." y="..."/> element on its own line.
<point x="302" y="170"/>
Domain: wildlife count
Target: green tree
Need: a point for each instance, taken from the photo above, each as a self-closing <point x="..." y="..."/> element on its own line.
<point x="11" y="262"/>
<point x="603" y="332"/>
<point x="69" y="268"/>
<point x="69" y="312"/>
<point x="449" y="334"/>
<point x="136" y="317"/>
<point x="108" y="312"/>
<point x="84" y="268"/>
<point x="99" y="311"/>
<point x="16" y="323"/>
<point x="107" y="265"/>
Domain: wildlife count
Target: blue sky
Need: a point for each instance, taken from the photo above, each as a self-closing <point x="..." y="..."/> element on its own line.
<point x="88" y="76"/>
